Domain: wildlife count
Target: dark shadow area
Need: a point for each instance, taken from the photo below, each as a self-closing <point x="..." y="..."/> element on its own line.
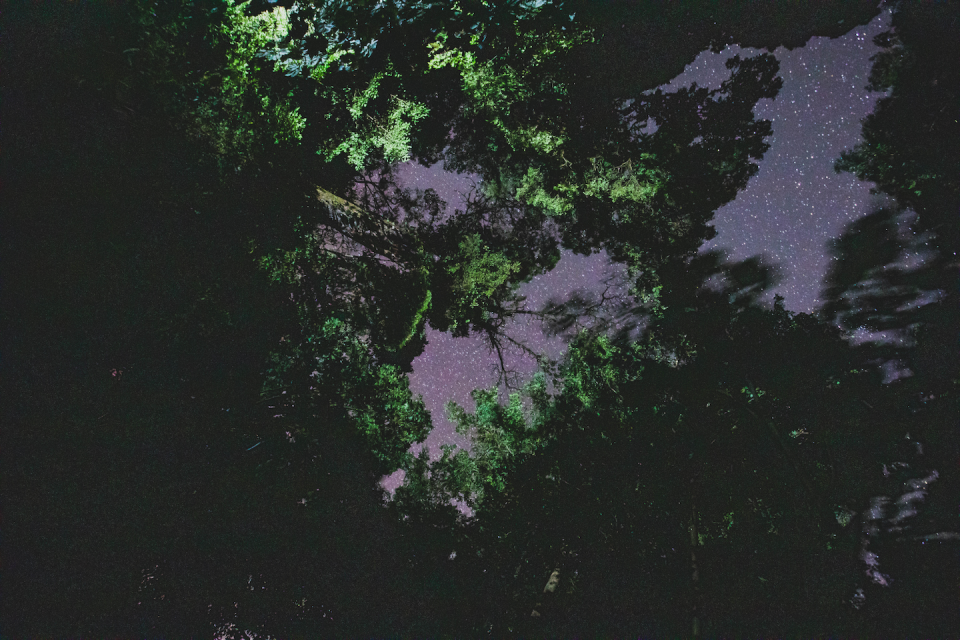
<point x="206" y="326"/>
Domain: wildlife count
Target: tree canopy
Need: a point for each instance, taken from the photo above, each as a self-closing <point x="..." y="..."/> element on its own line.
<point x="216" y="283"/>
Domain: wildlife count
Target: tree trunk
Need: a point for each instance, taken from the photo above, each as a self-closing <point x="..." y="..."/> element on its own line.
<point x="550" y="588"/>
<point x="694" y="543"/>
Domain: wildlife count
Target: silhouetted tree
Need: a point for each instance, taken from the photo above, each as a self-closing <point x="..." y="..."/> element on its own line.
<point x="216" y="286"/>
<point x="895" y="271"/>
<point x="710" y="465"/>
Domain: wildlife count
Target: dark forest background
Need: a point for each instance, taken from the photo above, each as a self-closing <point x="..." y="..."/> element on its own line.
<point x="212" y="288"/>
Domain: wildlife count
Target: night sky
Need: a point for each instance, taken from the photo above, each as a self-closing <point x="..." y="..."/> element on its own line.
<point x="788" y="212"/>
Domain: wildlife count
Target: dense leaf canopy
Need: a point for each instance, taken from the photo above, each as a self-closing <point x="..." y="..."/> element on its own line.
<point x="215" y="285"/>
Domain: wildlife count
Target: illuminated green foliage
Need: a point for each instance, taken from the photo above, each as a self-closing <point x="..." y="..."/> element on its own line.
<point x="222" y="99"/>
<point x="500" y="435"/>
<point x="388" y="135"/>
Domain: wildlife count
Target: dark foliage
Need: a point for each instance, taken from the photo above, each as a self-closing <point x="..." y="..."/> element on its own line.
<point x="213" y="287"/>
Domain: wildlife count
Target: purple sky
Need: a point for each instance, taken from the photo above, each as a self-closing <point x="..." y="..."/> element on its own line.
<point x="796" y="203"/>
<point x="789" y="210"/>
